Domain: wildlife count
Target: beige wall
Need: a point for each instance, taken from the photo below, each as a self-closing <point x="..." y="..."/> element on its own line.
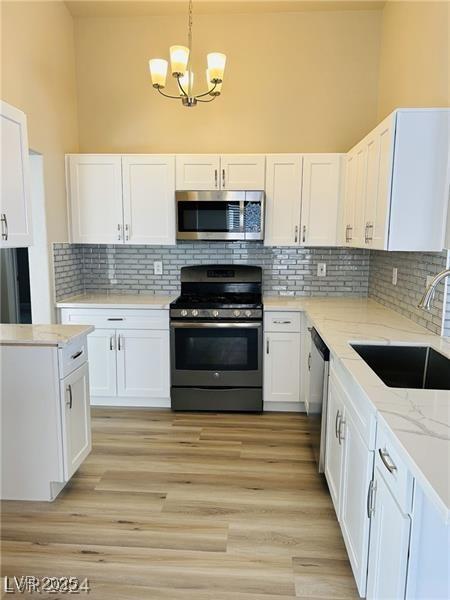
<point x="38" y="76"/>
<point x="414" y="59"/>
<point x="304" y="81"/>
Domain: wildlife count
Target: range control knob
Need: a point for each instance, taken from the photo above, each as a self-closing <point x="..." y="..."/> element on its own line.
<point x="184" y="313"/>
<point x="248" y="313"/>
<point x="236" y="313"/>
<point x="215" y="313"/>
<point x="195" y="312"/>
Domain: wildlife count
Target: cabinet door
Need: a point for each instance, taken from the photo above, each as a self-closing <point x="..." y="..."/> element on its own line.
<point x="283" y="199"/>
<point x="373" y="169"/>
<point x="360" y="197"/>
<point x="333" y="446"/>
<point x="95" y="198"/>
<point x="15" y="202"/>
<point x="282" y="367"/>
<point x="389" y="543"/>
<point x="76" y="421"/>
<point x="149" y="199"/>
<point x="381" y="211"/>
<point x="349" y="199"/>
<point x="320" y="199"/>
<point x="305" y="362"/>
<point x="102" y="362"/>
<point x="197" y="171"/>
<point x="143" y="364"/>
<point x="242" y="172"/>
<point x="355" y="521"/>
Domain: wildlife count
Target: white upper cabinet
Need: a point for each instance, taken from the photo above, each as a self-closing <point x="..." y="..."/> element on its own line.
<point x="116" y="199"/>
<point x="302" y="199"/>
<point x="242" y="172"/>
<point x="283" y="199"/>
<point x="149" y="199"/>
<point x="320" y="199"/>
<point x="396" y="183"/>
<point x="197" y="172"/>
<point x="95" y="192"/>
<point x="215" y="172"/>
<point x="15" y="209"/>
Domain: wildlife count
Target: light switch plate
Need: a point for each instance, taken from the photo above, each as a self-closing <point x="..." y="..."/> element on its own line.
<point x="394" y="276"/>
<point x="157" y="267"/>
<point x="321" y="270"/>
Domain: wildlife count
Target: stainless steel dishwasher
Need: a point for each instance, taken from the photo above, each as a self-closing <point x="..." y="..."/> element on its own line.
<point x="316" y="405"/>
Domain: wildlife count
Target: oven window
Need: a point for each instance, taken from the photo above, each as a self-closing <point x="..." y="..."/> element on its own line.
<point x="216" y="349"/>
<point x="208" y="216"/>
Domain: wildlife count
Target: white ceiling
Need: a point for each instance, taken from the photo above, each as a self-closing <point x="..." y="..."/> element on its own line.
<point x="136" y="8"/>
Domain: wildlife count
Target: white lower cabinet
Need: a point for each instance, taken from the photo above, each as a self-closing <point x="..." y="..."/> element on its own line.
<point x="129" y="355"/>
<point x="356" y="479"/>
<point x="76" y="424"/>
<point x="142" y="369"/>
<point x="389" y="544"/>
<point x="333" y="449"/>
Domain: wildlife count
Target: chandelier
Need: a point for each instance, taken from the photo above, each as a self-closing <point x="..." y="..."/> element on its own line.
<point x="180" y="66"/>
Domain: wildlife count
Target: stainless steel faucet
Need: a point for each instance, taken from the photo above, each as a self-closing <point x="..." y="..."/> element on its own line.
<point x="428" y="296"/>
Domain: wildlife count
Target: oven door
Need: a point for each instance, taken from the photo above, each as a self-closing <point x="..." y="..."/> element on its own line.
<point x="214" y="354"/>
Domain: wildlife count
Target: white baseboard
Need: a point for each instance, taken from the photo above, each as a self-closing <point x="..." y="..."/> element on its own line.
<point x="297" y="407"/>
<point x="130" y="402"/>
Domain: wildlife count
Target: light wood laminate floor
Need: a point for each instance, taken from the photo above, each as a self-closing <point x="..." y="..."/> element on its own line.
<point x="187" y="507"/>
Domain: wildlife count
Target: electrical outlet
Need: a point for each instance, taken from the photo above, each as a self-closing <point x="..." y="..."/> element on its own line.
<point x="429" y="279"/>
<point x="157" y="267"/>
<point x="321" y="270"/>
<point x="394" y="275"/>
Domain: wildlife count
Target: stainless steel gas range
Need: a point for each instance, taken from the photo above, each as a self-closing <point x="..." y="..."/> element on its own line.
<point x="216" y="329"/>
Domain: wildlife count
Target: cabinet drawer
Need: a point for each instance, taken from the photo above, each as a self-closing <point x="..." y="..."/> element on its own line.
<point x="395" y="472"/>
<point x="72" y="356"/>
<point x="282" y="321"/>
<point x="117" y="319"/>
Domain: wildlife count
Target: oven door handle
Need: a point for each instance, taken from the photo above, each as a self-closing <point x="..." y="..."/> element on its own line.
<point x="215" y="325"/>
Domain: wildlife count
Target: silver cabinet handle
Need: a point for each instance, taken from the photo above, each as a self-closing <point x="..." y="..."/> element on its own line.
<point x="347" y="237"/>
<point x="267" y="346"/>
<point x="370" y="228"/>
<point x="338" y="417"/>
<point x="115" y="319"/>
<point x="111" y="342"/>
<point x="76" y="355"/>
<point x="216" y="178"/>
<point x="127" y="232"/>
<point x="371" y="498"/>
<point x="296" y="233"/>
<point x="309" y="361"/>
<point x="304" y="233"/>
<point x="223" y="178"/>
<point x="119" y="232"/>
<point x="119" y="342"/>
<point x="340" y="435"/>
<point x="387" y="461"/>
<point x="4" y="220"/>
<point x="69" y="403"/>
<point x="282" y="322"/>
<point x="366" y="235"/>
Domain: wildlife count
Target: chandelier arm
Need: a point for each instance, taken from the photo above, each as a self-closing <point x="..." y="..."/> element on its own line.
<point x="181" y="88"/>
<point x="212" y="98"/>
<point x="167" y="95"/>
<point x="208" y="92"/>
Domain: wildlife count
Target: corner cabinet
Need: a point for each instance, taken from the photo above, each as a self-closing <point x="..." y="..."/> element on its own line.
<point x="15" y="204"/>
<point x="220" y="172"/>
<point x="121" y="199"/>
<point x="396" y="184"/>
<point x="302" y="199"/>
<point x="129" y="355"/>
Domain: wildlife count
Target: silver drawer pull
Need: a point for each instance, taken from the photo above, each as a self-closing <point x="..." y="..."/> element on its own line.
<point x="371" y="498"/>
<point x="387" y="461"/>
<point x="115" y="318"/>
<point x="338" y="417"/>
<point x="76" y="355"/>
<point x="69" y="402"/>
<point x="282" y="322"/>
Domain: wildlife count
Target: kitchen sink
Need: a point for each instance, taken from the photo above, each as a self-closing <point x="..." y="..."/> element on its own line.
<point x="419" y="367"/>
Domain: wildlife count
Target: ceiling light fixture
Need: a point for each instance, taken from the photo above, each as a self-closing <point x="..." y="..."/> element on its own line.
<point x="179" y="62"/>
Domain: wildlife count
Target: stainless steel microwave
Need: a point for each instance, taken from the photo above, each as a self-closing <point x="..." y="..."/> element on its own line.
<point x="220" y="215"/>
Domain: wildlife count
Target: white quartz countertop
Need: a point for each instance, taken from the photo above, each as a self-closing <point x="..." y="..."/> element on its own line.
<point x="154" y="301"/>
<point x="419" y="419"/>
<point x="41" y="335"/>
